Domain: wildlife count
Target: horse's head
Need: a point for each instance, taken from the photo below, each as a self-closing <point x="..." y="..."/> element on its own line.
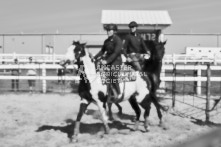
<point x="79" y="50"/>
<point x="157" y="50"/>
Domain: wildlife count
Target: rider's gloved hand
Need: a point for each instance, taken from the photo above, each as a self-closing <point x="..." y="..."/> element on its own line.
<point x="103" y="62"/>
<point x="129" y="59"/>
<point x="147" y="55"/>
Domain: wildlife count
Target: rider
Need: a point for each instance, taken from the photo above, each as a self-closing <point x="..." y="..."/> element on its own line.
<point x="111" y="53"/>
<point x="134" y="45"/>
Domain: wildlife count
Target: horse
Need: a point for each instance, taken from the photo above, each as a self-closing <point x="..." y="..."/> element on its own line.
<point x="152" y="68"/>
<point x="92" y="90"/>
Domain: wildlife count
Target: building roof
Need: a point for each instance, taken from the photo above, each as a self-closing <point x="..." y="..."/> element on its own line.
<point x="142" y="17"/>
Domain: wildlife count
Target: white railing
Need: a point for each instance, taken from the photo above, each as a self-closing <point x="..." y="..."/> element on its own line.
<point x="168" y="58"/>
<point x="43" y="67"/>
<point x="166" y="67"/>
<point x="24" y="58"/>
<point x="184" y="58"/>
<point x="197" y="77"/>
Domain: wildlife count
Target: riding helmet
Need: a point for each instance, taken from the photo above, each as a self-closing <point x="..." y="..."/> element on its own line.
<point x="111" y="27"/>
<point x="132" y="24"/>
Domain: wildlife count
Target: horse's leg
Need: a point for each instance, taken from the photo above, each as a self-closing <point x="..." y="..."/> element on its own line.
<point x="156" y="104"/>
<point x="119" y="108"/>
<point x="110" y="111"/>
<point x="82" y="109"/>
<point x="155" y="83"/>
<point x="136" y="108"/>
<point x="158" y="107"/>
<point x="103" y="117"/>
<point x="146" y="104"/>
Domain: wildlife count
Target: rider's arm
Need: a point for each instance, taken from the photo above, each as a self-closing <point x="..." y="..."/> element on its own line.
<point x="125" y="46"/>
<point x="117" y="50"/>
<point x="147" y="50"/>
<point x="100" y="53"/>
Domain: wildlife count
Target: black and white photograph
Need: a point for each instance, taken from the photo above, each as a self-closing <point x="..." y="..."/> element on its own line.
<point x="110" y="73"/>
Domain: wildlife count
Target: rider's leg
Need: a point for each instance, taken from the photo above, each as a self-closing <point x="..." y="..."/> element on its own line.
<point x="115" y="82"/>
<point x="136" y="65"/>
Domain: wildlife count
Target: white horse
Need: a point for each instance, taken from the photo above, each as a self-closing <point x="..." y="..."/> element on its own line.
<point x="91" y="90"/>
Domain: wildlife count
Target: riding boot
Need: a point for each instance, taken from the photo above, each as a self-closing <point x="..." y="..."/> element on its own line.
<point x="117" y="87"/>
<point x="145" y="77"/>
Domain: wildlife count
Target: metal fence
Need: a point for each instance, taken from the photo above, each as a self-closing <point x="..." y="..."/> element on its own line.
<point x="58" y="43"/>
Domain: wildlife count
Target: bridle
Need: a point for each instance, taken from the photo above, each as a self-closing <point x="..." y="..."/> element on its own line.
<point x="79" y="53"/>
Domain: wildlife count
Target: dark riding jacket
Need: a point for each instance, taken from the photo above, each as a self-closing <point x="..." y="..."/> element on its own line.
<point x="134" y="43"/>
<point x="111" y="50"/>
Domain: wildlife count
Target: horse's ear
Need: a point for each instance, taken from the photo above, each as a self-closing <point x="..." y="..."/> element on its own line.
<point x="164" y="42"/>
<point x="84" y="44"/>
<point x="76" y="42"/>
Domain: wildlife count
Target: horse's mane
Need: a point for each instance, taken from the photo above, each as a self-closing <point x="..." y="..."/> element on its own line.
<point x="151" y="45"/>
<point x="89" y="67"/>
<point x="157" y="51"/>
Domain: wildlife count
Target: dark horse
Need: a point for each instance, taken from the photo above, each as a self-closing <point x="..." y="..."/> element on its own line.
<point x="152" y="67"/>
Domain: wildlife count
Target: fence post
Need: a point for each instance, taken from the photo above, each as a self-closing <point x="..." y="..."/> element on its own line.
<point x="174" y="85"/>
<point x="44" y="84"/>
<point x="197" y="84"/>
<point x="208" y="84"/>
<point x="53" y="58"/>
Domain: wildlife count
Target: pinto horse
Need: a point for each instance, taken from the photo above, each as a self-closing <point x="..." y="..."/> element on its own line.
<point x="91" y="90"/>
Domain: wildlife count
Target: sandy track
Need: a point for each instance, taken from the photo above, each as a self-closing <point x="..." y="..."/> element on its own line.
<point x="46" y="120"/>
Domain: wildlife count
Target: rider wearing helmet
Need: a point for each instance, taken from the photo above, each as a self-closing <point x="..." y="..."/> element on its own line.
<point x="111" y="53"/>
<point x="134" y="44"/>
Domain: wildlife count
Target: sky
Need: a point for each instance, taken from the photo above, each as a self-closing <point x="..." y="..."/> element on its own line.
<point x="84" y="16"/>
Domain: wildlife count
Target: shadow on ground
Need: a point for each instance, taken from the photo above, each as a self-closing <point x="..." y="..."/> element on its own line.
<point x="92" y="128"/>
<point x="203" y="123"/>
<point x="121" y="116"/>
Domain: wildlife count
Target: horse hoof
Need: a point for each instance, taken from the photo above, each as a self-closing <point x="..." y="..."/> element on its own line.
<point x="165" y="108"/>
<point x="73" y="140"/>
<point x="163" y="125"/>
<point x="134" y="119"/>
<point x="136" y="126"/>
<point x="107" y="131"/>
<point x="111" y="118"/>
<point x="147" y="129"/>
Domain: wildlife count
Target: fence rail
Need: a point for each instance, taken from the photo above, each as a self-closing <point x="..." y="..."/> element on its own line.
<point x="39" y="58"/>
<point x="165" y="78"/>
<point x="168" y="58"/>
<point x="188" y="58"/>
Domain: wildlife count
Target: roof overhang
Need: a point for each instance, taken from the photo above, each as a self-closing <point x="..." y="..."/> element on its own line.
<point x="147" y="20"/>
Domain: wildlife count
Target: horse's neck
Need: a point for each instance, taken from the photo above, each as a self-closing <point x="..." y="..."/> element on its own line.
<point x="90" y="70"/>
<point x="93" y="77"/>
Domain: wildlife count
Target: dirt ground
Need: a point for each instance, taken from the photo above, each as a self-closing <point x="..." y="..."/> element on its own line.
<point x="46" y="120"/>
